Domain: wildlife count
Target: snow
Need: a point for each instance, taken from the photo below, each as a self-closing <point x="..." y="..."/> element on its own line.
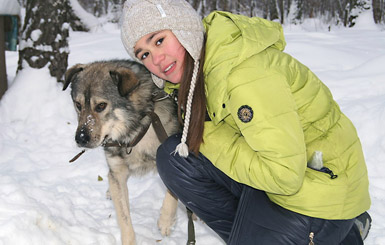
<point x="46" y="200"/>
<point x="9" y="7"/>
<point x="35" y="34"/>
<point x="88" y="19"/>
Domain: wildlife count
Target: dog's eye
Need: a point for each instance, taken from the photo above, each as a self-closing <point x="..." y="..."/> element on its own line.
<point x="78" y="106"/>
<point x="100" y="107"/>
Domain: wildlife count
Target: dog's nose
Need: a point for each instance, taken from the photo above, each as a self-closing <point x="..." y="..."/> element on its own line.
<point x="82" y="138"/>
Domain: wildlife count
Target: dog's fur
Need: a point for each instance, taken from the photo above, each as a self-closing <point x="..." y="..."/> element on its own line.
<point x="113" y="100"/>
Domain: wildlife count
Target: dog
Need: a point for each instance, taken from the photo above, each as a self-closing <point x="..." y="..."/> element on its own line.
<point x="115" y="102"/>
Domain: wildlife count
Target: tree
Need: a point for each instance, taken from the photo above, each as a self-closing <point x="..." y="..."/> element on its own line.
<point x="348" y="10"/>
<point x="378" y="11"/>
<point x="110" y="8"/>
<point x="44" y="36"/>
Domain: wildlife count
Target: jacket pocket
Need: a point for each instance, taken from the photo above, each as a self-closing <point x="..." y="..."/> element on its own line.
<point x="326" y="171"/>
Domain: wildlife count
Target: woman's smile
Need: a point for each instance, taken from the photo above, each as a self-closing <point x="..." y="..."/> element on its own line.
<point x="170" y="68"/>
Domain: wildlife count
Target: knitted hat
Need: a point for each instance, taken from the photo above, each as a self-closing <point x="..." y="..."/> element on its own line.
<point x="141" y="17"/>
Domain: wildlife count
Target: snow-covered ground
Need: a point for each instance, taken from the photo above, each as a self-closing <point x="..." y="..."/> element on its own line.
<point x="46" y="200"/>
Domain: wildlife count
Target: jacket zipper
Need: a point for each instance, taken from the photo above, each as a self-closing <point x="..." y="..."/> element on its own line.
<point x="327" y="171"/>
<point x="311" y="237"/>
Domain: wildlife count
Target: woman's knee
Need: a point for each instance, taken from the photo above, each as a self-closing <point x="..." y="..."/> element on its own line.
<point x="174" y="169"/>
<point x="165" y="158"/>
<point x="165" y="151"/>
<point x="169" y="145"/>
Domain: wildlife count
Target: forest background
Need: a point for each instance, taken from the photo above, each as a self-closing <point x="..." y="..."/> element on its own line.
<point x="45" y="24"/>
<point x="334" y="12"/>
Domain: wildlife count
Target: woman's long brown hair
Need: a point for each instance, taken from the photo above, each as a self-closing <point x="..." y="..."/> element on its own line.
<point x="198" y="107"/>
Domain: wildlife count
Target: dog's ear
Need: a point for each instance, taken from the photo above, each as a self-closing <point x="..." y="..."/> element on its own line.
<point x="70" y="73"/>
<point x="125" y="79"/>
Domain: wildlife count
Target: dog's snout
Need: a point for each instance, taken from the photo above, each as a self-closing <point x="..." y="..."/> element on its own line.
<point x="82" y="137"/>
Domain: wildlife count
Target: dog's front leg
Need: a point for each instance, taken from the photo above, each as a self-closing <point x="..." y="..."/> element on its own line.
<point x="167" y="214"/>
<point x="117" y="178"/>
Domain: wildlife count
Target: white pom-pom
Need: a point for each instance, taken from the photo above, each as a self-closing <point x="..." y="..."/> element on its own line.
<point x="182" y="149"/>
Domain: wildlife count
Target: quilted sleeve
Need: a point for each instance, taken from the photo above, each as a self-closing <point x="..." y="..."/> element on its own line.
<point x="270" y="152"/>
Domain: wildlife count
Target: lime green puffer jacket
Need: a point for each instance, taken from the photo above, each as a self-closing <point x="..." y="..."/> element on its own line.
<point x="269" y="114"/>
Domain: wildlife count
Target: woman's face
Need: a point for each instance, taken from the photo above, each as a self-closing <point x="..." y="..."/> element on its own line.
<point x="162" y="54"/>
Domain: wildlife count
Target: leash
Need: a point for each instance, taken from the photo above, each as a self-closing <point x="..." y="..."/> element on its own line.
<point x="134" y="141"/>
<point x="162" y="136"/>
<point x="190" y="228"/>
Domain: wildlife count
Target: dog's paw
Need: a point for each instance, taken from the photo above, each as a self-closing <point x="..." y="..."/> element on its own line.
<point x="165" y="224"/>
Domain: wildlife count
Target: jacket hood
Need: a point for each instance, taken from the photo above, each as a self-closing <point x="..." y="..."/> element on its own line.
<point x="232" y="39"/>
<point x="248" y="36"/>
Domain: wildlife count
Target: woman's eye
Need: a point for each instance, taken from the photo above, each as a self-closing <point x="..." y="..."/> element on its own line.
<point x="143" y="56"/>
<point x="159" y="42"/>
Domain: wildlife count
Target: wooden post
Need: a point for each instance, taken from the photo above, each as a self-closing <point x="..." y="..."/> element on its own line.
<point x="3" y="69"/>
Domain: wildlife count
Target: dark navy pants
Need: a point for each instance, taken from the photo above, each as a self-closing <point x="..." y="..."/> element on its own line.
<point x="240" y="214"/>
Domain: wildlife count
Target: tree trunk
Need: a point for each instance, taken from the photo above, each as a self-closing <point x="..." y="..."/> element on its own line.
<point x="44" y="36"/>
<point x="3" y="67"/>
<point x="378" y="11"/>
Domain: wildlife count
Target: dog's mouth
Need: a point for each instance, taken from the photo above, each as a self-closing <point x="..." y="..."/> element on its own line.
<point x="105" y="140"/>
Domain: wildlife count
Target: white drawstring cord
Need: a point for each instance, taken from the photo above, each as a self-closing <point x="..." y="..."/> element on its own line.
<point x="182" y="148"/>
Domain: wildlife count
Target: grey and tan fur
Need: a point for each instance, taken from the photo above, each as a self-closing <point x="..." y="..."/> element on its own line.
<point x="113" y="100"/>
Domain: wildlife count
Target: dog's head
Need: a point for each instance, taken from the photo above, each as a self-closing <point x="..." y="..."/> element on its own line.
<point x="109" y="97"/>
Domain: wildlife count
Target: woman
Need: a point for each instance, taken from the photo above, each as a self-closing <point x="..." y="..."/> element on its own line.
<point x="253" y="118"/>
